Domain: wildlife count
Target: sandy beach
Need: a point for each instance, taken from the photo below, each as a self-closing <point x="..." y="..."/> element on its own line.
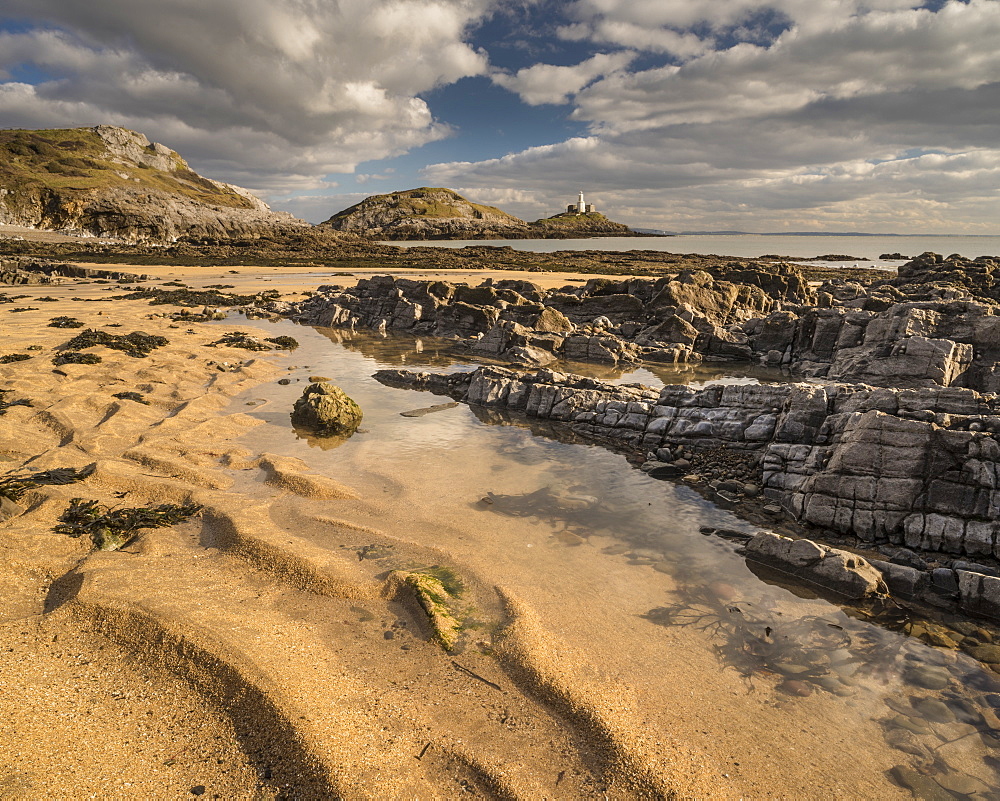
<point x="224" y="655"/>
<point x="252" y="652"/>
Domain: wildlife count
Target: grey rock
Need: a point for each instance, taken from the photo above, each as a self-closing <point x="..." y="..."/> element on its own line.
<point x="845" y="573"/>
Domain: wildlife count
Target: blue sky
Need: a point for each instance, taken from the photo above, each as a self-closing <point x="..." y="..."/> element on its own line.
<point x="826" y="115"/>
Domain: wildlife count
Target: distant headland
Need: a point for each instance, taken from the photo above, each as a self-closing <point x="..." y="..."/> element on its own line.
<point x="439" y="213"/>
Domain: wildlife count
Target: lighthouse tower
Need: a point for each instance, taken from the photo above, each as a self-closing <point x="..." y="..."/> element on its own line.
<point x="581" y="206"/>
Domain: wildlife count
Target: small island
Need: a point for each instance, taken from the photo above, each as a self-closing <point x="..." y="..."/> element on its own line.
<point x="428" y="213"/>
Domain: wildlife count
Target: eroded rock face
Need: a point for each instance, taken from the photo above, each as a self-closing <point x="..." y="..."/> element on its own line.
<point x="936" y="324"/>
<point x="326" y="410"/>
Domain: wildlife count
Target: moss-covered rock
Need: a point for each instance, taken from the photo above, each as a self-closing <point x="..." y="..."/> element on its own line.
<point x="326" y="410"/>
<point x="438" y="601"/>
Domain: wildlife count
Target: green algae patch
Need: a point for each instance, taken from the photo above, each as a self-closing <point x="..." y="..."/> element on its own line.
<point x="437" y="601"/>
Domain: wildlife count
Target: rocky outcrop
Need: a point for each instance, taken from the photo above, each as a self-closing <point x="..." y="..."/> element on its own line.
<point x="24" y="271"/>
<point x="112" y="182"/>
<point x="425" y="213"/>
<point x="907" y="332"/>
<point x="576" y="225"/>
<point x="676" y="319"/>
<point x="936" y="324"/>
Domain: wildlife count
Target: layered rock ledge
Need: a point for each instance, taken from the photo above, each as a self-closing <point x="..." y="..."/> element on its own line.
<point x="917" y="469"/>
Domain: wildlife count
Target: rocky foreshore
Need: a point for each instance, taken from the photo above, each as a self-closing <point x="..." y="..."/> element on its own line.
<point x="935" y="324"/>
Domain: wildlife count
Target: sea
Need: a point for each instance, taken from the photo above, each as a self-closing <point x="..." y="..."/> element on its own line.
<point x="863" y="250"/>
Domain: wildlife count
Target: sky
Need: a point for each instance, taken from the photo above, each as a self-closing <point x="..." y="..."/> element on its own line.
<point x="878" y="116"/>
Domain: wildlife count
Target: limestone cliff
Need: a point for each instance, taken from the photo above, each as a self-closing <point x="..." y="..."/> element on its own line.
<point x="426" y="213"/>
<point x="112" y="182"/>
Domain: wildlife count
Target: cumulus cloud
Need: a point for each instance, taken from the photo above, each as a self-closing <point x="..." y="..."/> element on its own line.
<point x="289" y="88"/>
<point x="859" y="115"/>
<point x="548" y="83"/>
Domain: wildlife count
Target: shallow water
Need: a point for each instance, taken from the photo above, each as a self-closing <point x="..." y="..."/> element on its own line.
<point x="864" y="250"/>
<point x="613" y="562"/>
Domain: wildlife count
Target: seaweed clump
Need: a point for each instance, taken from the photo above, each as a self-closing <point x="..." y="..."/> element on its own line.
<point x="9" y="358"/>
<point x="65" y="322"/>
<point x="283" y="342"/>
<point x="238" y="339"/>
<point x="5" y="405"/>
<point x="193" y="297"/>
<point x="138" y="344"/>
<point x="13" y="487"/>
<point x="75" y="357"/>
<point x="111" y="529"/>
<point x="437" y="590"/>
<point x="138" y="397"/>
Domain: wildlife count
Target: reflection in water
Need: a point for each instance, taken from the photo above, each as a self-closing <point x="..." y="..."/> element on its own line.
<point x="535" y="481"/>
<point x="406" y="350"/>
<point x="398" y="349"/>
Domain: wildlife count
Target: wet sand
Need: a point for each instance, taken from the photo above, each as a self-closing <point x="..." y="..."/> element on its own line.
<point x="229" y="655"/>
<point x="254" y="651"/>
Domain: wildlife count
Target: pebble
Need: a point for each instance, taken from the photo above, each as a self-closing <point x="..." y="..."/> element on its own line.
<point x="691" y="478"/>
<point x="388" y="635"/>
<point x="751" y="490"/>
<point x="935" y="710"/>
<point x="915" y="725"/>
<point x="922" y="786"/>
<point x="795" y="687"/>
<point x="985" y="653"/>
<point x="930" y="678"/>
<point x="569" y="538"/>
<point x="284" y="381"/>
<point x="962" y="784"/>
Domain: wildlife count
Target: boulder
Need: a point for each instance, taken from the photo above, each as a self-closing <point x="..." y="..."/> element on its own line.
<point x="843" y="572"/>
<point x="326" y="410"/>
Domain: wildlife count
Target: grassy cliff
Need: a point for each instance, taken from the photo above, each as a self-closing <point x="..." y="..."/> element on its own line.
<point x="110" y="181"/>
<point x="74" y="161"/>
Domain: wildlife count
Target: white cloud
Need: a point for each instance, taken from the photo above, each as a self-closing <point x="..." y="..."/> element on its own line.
<point x="286" y="88"/>
<point x="548" y="83"/>
<point x="859" y="115"/>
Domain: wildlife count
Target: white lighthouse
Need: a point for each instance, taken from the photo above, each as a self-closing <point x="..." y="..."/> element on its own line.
<point x="581" y="206"/>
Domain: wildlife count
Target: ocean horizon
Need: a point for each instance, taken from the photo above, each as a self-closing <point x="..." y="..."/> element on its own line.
<point x="862" y="249"/>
